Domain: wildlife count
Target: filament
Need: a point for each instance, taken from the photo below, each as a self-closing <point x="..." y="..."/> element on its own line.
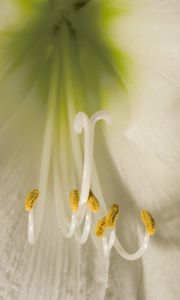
<point x="87" y="227"/>
<point x="122" y="252"/>
<point x="63" y="223"/>
<point x="45" y="161"/>
<point x="108" y="244"/>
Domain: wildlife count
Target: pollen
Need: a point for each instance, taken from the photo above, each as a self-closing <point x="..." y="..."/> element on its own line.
<point x="148" y="222"/>
<point x="93" y="203"/>
<point x="31" y="199"/>
<point x="74" y="200"/>
<point x="112" y="216"/>
<point x="100" y="227"/>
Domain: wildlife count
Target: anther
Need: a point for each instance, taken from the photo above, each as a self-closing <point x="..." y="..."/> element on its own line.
<point x="100" y="227"/>
<point x="148" y="222"/>
<point x="93" y="203"/>
<point x="74" y="200"/>
<point x="31" y="199"/>
<point x="112" y="216"/>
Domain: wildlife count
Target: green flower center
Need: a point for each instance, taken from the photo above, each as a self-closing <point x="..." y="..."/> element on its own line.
<point x="88" y="64"/>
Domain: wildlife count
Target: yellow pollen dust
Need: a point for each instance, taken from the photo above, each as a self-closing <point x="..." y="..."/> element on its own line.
<point x="112" y="216"/>
<point x="93" y="203"/>
<point x="31" y="199"/>
<point x="148" y="222"/>
<point x="74" y="200"/>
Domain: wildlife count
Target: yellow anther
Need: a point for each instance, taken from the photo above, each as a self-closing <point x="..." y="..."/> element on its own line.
<point x="93" y="203"/>
<point x="74" y="200"/>
<point x="148" y="222"/>
<point x="100" y="227"/>
<point x="31" y="199"/>
<point x="112" y="216"/>
<point x="108" y="221"/>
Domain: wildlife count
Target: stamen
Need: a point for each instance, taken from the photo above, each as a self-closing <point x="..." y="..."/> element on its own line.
<point x="46" y="155"/>
<point x="148" y="222"/>
<point x="82" y="122"/>
<point x="74" y="200"/>
<point x="93" y="203"/>
<point x="112" y="216"/>
<point x="31" y="199"/>
<point x="109" y="221"/>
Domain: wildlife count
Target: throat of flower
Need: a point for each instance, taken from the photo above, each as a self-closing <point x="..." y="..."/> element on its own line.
<point x="80" y="4"/>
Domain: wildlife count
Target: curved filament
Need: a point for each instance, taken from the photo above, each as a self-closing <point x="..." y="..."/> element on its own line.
<point x="122" y="252"/>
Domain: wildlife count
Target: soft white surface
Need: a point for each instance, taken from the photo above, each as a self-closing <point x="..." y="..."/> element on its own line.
<point x="138" y="166"/>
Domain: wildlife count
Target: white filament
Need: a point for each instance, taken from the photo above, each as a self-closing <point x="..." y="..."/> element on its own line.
<point x="45" y="160"/>
<point x="113" y="241"/>
<point x="57" y="192"/>
<point x="31" y="227"/>
<point x="139" y="253"/>
<point x="107" y="245"/>
<point x="87" y="227"/>
<point x="47" y="146"/>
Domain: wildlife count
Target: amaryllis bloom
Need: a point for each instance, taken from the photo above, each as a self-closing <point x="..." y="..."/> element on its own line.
<point x="89" y="126"/>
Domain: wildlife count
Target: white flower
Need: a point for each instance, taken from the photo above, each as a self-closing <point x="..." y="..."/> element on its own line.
<point x="61" y="57"/>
